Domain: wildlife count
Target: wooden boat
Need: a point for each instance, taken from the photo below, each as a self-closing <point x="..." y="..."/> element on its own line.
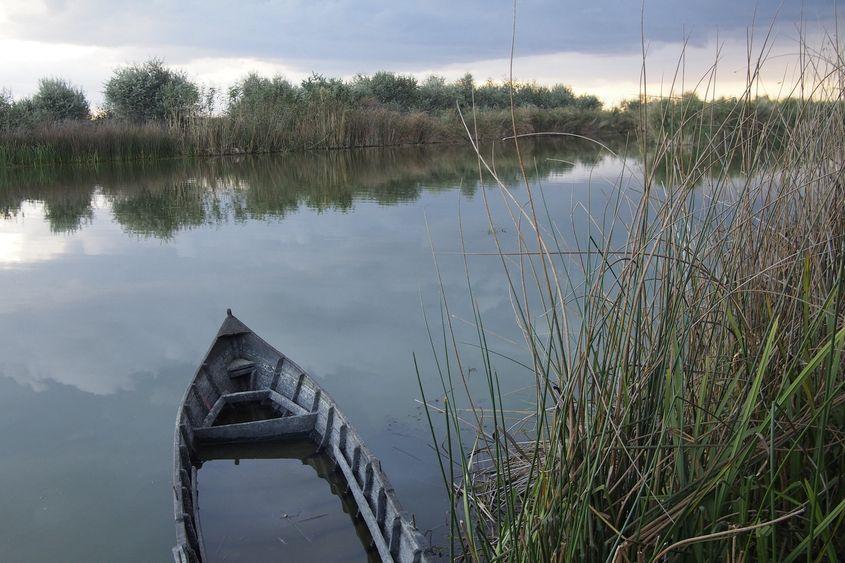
<point x="245" y="391"/>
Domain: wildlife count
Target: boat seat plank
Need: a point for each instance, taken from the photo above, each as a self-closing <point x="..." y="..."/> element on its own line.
<point x="274" y="429"/>
<point x="247" y="396"/>
<point x="240" y="367"/>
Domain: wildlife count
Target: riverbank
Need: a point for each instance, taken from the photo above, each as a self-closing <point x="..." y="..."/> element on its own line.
<point x="327" y="128"/>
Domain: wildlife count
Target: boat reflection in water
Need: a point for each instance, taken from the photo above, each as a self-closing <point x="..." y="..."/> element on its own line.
<point x="263" y="502"/>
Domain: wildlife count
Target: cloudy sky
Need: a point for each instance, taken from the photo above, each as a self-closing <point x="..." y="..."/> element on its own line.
<point x="592" y="45"/>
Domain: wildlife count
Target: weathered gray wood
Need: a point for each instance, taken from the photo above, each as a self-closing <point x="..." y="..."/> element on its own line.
<point x="240" y="367"/>
<point x="277" y="373"/>
<point x="328" y="432"/>
<point x="364" y="509"/>
<point x="288" y="428"/>
<point x="235" y="353"/>
<point x="280" y="401"/>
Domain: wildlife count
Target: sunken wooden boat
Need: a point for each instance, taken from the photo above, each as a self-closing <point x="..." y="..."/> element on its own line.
<point x="245" y="391"/>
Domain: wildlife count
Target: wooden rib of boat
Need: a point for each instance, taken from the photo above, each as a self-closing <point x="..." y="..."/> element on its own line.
<point x="246" y="391"/>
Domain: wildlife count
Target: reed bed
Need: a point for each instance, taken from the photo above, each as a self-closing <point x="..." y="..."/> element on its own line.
<point x="88" y="142"/>
<point x="312" y="125"/>
<point x="687" y="374"/>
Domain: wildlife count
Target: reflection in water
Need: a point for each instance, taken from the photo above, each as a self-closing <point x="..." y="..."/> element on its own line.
<point x="264" y="503"/>
<point x="113" y="279"/>
<point x="159" y="199"/>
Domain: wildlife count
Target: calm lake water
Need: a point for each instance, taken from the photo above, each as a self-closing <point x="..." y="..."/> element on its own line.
<point x="113" y="282"/>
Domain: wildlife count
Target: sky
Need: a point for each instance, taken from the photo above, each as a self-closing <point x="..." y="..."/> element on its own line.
<point x="594" y="46"/>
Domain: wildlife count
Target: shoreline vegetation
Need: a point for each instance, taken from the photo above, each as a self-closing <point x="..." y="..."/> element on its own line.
<point x="683" y="355"/>
<point x="152" y="111"/>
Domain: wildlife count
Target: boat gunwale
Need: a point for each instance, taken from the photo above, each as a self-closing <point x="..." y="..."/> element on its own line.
<point x="334" y="418"/>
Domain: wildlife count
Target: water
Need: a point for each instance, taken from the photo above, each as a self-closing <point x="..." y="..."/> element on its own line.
<point x="113" y="282"/>
<point x="265" y="503"/>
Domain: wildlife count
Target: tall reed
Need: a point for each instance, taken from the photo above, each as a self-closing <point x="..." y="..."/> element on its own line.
<point x="688" y="376"/>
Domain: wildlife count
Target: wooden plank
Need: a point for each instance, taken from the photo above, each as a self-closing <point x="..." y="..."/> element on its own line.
<point x="205" y="371"/>
<point x="315" y="407"/>
<point x="365" y="510"/>
<point x="274" y="429"/>
<point x="327" y="435"/>
<point x="299" y="380"/>
<point x="396" y="535"/>
<point x="277" y="373"/>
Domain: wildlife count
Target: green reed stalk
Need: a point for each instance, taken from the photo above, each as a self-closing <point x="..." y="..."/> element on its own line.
<point x="689" y="384"/>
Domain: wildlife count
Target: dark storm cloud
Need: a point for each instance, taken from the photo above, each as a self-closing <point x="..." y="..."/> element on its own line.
<point x="349" y="33"/>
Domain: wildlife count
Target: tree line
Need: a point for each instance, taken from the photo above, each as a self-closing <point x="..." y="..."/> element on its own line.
<point x="152" y="92"/>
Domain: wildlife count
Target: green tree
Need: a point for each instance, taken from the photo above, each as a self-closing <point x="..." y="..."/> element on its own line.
<point x="588" y="101"/>
<point x="465" y="88"/>
<point x="396" y="90"/>
<point x="318" y="88"/>
<point x="6" y="104"/>
<point x="435" y="94"/>
<point x="256" y="93"/>
<point x="151" y="92"/>
<point x="492" y="95"/>
<point x="58" y="100"/>
<point x="18" y="114"/>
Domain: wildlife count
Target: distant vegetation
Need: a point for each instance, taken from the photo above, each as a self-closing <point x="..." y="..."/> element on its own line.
<point x="152" y="111"/>
<point x="55" y="101"/>
<point x="150" y="92"/>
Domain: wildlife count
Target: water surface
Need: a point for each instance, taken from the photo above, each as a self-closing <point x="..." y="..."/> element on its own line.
<point x="277" y="502"/>
<point x="114" y="280"/>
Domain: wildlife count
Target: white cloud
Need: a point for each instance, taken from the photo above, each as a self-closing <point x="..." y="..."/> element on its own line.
<point x="13" y="9"/>
<point x="615" y="78"/>
<point x="87" y="54"/>
<point x="612" y="78"/>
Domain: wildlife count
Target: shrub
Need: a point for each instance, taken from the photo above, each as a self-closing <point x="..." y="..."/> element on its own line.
<point x="491" y="95"/>
<point x="318" y="88"/>
<point x="256" y="93"/>
<point x="397" y="91"/>
<point x="588" y="102"/>
<point x="6" y="104"/>
<point x="151" y="92"/>
<point x="435" y="94"/>
<point x="15" y="114"/>
<point x="58" y="100"/>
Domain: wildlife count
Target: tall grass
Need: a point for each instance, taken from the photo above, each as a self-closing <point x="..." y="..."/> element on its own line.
<point x="88" y="142"/>
<point x="688" y="376"/>
<point x="313" y="126"/>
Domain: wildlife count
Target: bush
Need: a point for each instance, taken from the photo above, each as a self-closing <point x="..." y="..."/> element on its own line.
<point x="258" y="94"/>
<point x="491" y="95"/>
<point x="396" y="91"/>
<point x="58" y="100"/>
<point x="588" y="102"/>
<point x="318" y="88"/>
<point x="6" y="104"/>
<point x="151" y="92"/>
<point x="15" y="115"/>
<point x="435" y="94"/>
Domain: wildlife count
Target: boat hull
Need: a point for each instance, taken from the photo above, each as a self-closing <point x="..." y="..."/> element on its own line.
<point x="247" y="391"/>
